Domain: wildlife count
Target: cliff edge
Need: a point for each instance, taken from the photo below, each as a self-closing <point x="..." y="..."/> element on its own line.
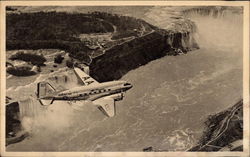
<point x="224" y="131"/>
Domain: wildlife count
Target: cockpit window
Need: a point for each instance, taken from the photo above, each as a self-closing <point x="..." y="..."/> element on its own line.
<point x="127" y="84"/>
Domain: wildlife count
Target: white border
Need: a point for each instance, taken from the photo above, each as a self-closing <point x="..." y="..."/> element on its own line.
<point x="130" y="3"/>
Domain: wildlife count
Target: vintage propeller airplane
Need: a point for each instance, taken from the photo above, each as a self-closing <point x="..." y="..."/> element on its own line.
<point x="103" y="95"/>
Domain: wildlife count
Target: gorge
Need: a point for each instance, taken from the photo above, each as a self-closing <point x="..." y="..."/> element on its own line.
<point x="168" y="88"/>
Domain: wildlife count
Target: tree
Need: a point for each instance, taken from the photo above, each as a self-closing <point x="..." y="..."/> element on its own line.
<point x="58" y="59"/>
<point x="70" y="63"/>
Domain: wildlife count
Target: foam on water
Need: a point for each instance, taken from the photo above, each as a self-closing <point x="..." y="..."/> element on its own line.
<point x="166" y="108"/>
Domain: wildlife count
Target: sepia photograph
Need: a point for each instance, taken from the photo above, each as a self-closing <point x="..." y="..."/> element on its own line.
<point x="124" y="78"/>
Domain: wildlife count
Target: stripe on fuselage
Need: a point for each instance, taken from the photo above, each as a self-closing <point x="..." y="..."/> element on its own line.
<point x="92" y="92"/>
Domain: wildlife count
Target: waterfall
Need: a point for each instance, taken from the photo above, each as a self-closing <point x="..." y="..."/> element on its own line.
<point x="218" y="27"/>
<point x="29" y="108"/>
<point x="32" y="114"/>
<point x="200" y="83"/>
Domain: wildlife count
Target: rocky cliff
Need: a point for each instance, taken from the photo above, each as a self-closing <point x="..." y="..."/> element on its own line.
<point x="223" y="130"/>
<point x="148" y="45"/>
<point x="120" y="59"/>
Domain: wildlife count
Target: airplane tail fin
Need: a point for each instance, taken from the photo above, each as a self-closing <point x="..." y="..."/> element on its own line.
<point x="45" y="93"/>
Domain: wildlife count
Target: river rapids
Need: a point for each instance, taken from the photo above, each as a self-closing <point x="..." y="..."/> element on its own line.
<point x="167" y="106"/>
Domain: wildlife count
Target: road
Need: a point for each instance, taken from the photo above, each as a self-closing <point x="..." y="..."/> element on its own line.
<point x="225" y="126"/>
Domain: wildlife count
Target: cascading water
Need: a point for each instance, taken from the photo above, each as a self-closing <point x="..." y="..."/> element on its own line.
<point x="219" y="28"/>
<point x="32" y="114"/>
<point x="27" y="108"/>
<point x="30" y="110"/>
<point x="170" y="99"/>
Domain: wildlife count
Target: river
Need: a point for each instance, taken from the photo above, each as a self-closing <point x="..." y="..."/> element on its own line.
<point x="167" y="106"/>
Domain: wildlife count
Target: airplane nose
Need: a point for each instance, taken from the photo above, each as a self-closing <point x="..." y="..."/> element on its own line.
<point x="128" y="86"/>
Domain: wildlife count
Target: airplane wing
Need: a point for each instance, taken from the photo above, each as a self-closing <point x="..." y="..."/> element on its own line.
<point x="84" y="78"/>
<point x="106" y="105"/>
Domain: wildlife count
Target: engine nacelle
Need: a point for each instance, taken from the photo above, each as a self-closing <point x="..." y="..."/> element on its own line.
<point x="84" y="68"/>
<point x="118" y="97"/>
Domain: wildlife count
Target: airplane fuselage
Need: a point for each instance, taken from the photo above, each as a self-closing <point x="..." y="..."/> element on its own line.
<point x="103" y="95"/>
<point x="93" y="92"/>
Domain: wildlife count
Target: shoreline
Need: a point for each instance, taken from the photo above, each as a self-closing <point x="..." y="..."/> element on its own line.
<point x="222" y="129"/>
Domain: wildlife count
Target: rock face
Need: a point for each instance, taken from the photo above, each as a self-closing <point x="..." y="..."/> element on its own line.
<point x="14" y="131"/>
<point x="13" y="123"/>
<point x="143" y="42"/>
<point x="222" y="129"/>
<point x="120" y="59"/>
